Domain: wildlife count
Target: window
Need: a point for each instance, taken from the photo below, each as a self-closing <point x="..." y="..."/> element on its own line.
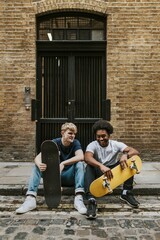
<point x="71" y="27"/>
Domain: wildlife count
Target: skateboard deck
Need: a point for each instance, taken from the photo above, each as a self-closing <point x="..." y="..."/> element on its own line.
<point x="102" y="186"/>
<point x="51" y="176"/>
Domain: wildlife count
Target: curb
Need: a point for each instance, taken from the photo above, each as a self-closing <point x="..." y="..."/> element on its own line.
<point x="20" y="190"/>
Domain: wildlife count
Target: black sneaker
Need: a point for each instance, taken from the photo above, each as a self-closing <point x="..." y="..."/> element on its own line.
<point x="129" y="199"/>
<point x="92" y="208"/>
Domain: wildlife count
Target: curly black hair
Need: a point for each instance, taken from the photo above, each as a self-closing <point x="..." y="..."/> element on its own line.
<point x="102" y="125"/>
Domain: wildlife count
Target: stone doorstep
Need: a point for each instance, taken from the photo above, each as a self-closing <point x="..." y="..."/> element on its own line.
<point x="15" y="190"/>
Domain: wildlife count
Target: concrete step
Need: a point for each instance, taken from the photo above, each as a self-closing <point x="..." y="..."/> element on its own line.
<point x="105" y="204"/>
<point x="16" y="190"/>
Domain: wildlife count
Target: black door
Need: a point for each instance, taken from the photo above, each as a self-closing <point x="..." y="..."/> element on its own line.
<point x="71" y="86"/>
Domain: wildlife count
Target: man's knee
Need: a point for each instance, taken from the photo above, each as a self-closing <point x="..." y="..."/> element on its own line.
<point x="80" y="165"/>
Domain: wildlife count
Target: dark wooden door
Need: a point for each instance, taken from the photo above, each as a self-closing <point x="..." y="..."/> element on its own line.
<point x="71" y="86"/>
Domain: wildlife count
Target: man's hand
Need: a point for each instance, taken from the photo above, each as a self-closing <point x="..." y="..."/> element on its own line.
<point x="42" y="167"/>
<point x="107" y="171"/>
<point x="123" y="162"/>
<point x="61" y="167"/>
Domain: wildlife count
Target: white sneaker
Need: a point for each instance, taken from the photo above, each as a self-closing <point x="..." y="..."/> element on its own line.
<point x="79" y="205"/>
<point x="28" y="205"/>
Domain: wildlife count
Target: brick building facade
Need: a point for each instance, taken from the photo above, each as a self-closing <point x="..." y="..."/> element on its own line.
<point x="132" y="71"/>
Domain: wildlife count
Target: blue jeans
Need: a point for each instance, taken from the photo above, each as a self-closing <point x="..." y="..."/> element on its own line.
<point x="72" y="175"/>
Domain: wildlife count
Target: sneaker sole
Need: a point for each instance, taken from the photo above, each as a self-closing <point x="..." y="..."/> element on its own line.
<point x="129" y="203"/>
<point x="83" y="212"/>
<point x="17" y="212"/>
<point x="91" y="217"/>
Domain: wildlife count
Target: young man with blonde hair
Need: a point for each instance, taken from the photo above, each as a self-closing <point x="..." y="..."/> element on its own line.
<point x="71" y="169"/>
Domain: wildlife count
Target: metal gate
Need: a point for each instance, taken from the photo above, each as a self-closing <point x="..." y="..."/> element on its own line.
<point x="71" y="87"/>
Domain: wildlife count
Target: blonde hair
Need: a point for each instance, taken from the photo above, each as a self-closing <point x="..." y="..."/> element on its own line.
<point x="69" y="126"/>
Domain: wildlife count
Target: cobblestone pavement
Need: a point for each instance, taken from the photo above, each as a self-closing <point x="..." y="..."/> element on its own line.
<point x="117" y="222"/>
<point x="67" y="226"/>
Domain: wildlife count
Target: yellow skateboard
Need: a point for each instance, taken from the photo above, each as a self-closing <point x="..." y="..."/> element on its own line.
<point x="102" y="186"/>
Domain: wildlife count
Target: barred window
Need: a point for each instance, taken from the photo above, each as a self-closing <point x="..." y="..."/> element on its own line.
<point x="71" y="27"/>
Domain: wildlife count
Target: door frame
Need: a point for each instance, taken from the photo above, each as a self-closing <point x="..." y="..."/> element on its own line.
<point x="60" y="47"/>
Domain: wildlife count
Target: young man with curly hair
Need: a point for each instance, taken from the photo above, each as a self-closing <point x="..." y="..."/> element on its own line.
<point x="101" y="156"/>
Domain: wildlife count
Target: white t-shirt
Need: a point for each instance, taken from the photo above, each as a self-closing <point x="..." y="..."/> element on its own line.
<point x="106" y="155"/>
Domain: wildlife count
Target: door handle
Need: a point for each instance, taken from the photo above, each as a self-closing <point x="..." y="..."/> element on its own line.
<point x="71" y="102"/>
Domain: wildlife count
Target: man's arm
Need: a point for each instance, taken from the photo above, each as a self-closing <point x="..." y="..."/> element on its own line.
<point x="128" y="152"/>
<point x="89" y="159"/>
<point x="38" y="161"/>
<point x="79" y="156"/>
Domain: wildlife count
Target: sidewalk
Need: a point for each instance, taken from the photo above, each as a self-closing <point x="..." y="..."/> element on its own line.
<point x="14" y="178"/>
<point x="115" y="219"/>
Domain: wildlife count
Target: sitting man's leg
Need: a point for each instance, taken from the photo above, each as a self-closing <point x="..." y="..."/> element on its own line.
<point x="127" y="194"/>
<point x="30" y="201"/>
<point x="91" y="174"/>
<point x="74" y="176"/>
<point x="79" y="188"/>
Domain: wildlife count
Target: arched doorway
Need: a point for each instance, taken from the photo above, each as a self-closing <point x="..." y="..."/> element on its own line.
<point x="71" y="73"/>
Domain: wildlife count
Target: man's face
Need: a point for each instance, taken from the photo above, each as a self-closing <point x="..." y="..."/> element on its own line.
<point x="102" y="138"/>
<point x="68" y="136"/>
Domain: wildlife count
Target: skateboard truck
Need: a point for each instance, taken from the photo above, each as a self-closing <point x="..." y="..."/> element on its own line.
<point x="134" y="166"/>
<point x="106" y="183"/>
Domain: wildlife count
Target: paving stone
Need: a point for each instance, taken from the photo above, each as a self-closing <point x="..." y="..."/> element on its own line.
<point x="54" y="231"/>
<point x="146" y="237"/>
<point x="99" y="233"/>
<point x="125" y="223"/>
<point x="57" y="221"/>
<point x="111" y="222"/>
<point x="137" y="223"/>
<point x="10" y="230"/>
<point x="83" y="233"/>
<point x="113" y="232"/>
<point x="21" y="236"/>
<point x="151" y="224"/>
<point x="31" y="222"/>
<point x="5" y="222"/>
<point x="96" y="222"/>
<point x="69" y="232"/>
<point x="142" y="231"/>
<point x="39" y="230"/>
<point x="129" y="232"/>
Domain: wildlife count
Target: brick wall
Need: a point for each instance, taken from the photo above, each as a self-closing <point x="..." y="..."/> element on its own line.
<point x="134" y="74"/>
<point x="17" y="49"/>
<point x="133" y="59"/>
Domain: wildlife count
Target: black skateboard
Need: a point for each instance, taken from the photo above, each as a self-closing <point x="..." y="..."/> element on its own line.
<point x="51" y="176"/>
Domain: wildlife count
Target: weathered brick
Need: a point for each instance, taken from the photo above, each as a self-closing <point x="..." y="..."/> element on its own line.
<point x="133" y="57"/>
